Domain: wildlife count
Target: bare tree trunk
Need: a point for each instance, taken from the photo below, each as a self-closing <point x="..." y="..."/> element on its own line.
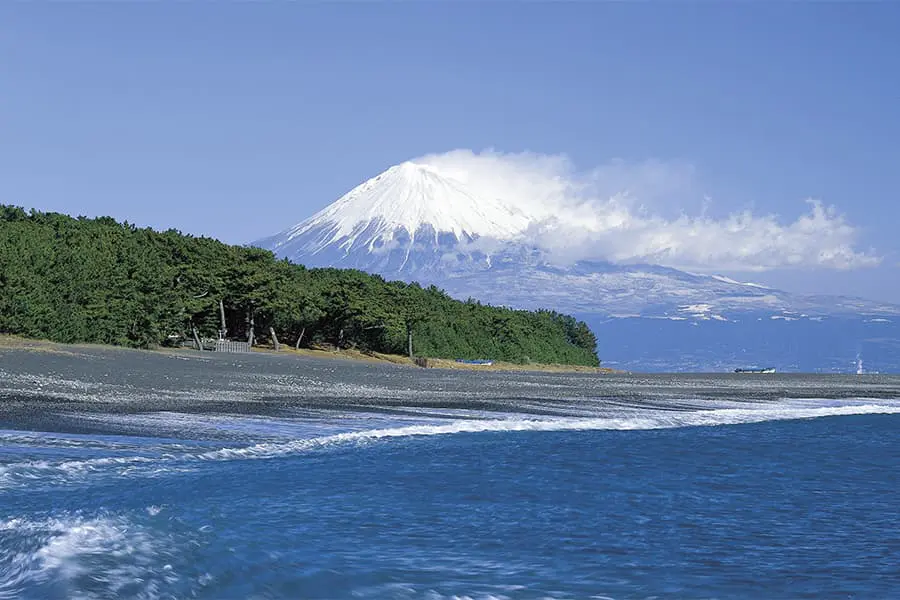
<point x="250" y="335"/>
<point x="340" y="339"/>
<point x="223" y="332"/>
<point x="300" y="339"/>
<point x="196" y="337"/>
<point x="274" y="339"/>
<point x="409" y="341"/>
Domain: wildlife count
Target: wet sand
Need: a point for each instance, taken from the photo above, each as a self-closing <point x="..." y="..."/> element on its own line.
<point x="36" y="382"/>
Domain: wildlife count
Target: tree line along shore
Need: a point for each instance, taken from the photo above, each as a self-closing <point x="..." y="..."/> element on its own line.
<point x="81" y="280"/>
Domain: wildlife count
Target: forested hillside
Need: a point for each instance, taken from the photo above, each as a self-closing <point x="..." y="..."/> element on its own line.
<point x="96" y="280"/>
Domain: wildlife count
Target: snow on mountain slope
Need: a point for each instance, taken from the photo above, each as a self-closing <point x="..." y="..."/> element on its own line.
<point x="415" y="222"/>
<point x="643" y="290"/>
<point x="402" y="203"/>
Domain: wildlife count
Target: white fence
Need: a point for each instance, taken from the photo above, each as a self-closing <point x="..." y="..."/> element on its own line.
<point x="229" y="346"/>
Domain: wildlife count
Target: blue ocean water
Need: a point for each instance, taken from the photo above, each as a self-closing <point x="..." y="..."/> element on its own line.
<point x="797" y="498"/>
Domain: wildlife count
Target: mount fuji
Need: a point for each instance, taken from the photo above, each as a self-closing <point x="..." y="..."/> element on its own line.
<point x="416" y="222"/>
<point x="409" y="220"/>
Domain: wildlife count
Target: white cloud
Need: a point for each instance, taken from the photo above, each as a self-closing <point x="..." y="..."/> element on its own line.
<point x="640" y="213"/>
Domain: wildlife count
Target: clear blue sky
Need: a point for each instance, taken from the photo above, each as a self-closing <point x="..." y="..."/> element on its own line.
<point x="236" y="120"/>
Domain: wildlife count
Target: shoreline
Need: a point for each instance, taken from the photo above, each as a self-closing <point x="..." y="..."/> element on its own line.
<point x="434" y="363"/>
<point x="15" y="342"/>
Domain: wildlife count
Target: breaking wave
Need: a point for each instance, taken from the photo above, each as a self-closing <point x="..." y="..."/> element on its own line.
<point x="634" y="421"/>
<point x="78" y="557"/>
<point x="59" y="472"/>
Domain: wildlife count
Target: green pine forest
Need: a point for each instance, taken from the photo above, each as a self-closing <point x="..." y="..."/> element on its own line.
<point x="99" y="281"/>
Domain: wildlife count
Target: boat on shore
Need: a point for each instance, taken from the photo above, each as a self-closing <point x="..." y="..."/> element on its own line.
<point x="478" y="362"/>
<point x="766" y="370"/>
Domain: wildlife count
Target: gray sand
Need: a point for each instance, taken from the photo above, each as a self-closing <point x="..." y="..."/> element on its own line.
<point x="34" y="385"/>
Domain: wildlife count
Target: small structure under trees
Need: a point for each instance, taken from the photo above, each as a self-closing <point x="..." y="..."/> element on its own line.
<point x="232" y="346"/>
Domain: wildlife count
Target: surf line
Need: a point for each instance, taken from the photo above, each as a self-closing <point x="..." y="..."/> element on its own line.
<point x="634" y="422"/>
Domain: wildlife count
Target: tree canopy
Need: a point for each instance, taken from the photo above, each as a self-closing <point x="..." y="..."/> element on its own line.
<point x="100" y="281"/>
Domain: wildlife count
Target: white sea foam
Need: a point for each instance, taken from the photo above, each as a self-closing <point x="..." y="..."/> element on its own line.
<point x="46" y="472"/>
<point x="116" y="555"/>
<point x="635" y="420"/>
<point x="622" y="419"/>
<point x="77" y="442"/>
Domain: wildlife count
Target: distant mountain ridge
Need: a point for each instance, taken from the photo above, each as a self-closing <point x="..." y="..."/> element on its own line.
<point x="416" y="223"/>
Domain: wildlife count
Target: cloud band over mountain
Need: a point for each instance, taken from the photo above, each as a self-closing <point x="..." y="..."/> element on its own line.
<point x="624" y="213"/>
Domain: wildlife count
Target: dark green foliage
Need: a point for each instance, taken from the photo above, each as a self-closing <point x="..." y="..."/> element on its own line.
<point x="96" y="280"/>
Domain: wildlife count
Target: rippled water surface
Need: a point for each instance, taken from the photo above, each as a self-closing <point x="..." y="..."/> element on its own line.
<point x="143" y="475"/>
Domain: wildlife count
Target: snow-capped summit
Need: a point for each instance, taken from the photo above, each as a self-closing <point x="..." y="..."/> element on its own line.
<point x="417" y="222"/>
<point x="408" y="202"/>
